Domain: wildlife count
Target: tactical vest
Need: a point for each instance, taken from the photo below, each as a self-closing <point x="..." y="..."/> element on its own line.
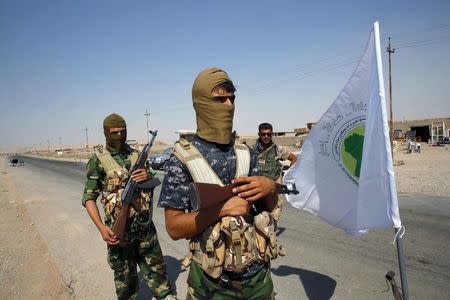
<point x="232" y="243"/>
<point x="116" y="179"/>
<point x="269" y="162"/>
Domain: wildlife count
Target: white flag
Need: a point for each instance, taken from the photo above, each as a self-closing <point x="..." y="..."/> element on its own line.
<point x="344" y="173"/>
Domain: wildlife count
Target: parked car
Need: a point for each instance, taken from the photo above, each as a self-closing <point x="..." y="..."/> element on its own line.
<point x="158" y="161"/>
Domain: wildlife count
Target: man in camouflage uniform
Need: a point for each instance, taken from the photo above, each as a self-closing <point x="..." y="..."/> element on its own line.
<point x="270" y="154"/>
<point x="140" y="245"/>
<point x="213" y="97"/>
<point x="269" y="157"/>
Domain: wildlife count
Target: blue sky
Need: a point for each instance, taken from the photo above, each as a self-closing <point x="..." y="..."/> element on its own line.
<point x="65" y="65"/>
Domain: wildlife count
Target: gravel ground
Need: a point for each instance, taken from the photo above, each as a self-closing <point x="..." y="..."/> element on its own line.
<point x="425" y="173"/>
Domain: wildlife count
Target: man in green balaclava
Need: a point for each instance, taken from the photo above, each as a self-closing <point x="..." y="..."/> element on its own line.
<point x="220" y="269"/>
<point x="115" y="130"/>
<point x="107" y="174"/>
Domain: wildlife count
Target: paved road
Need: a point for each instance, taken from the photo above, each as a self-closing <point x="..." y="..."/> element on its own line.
<point x="322" y="262"/>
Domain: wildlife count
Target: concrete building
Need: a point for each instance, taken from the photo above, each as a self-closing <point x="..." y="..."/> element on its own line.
<point x="425" y="130"/>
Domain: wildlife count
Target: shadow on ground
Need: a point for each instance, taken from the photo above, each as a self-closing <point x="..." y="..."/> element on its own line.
<point x="317" y="286"/>
<point x="280" y="230"/>
<point x="174" y="269"/>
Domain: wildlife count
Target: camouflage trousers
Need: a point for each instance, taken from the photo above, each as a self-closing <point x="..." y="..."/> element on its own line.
<point x="148" y="256"/>
<point x="201" y="287"/>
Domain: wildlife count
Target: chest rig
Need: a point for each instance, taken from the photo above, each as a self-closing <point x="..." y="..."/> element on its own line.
<point x="115" y="181"/>
<point x="232" y="244"/>
<point x="269" y="162"/>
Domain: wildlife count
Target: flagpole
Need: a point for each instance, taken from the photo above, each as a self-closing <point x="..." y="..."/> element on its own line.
<point x="401" y="263"/>
<point x="398" y="233"/>
<point x="391" y="121"/>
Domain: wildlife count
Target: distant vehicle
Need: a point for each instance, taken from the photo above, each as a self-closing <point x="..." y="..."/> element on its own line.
<point x="158" y="161"/>
<point x="16" y="162"/>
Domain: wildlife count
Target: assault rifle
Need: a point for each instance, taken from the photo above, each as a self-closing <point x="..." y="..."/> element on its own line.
<point x="132" y="188"/>
<point x="204" y="195"/>
<point x="395" y="289"/>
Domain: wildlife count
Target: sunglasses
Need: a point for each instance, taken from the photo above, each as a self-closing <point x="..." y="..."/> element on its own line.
<point x="223" y="99"/>
<point x="265" y="133"/>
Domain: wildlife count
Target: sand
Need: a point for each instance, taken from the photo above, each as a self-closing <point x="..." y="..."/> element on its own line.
<point x="425" y="173"/>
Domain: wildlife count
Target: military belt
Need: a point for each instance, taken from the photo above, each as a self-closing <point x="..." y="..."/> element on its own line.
<point x="249" y="272"/>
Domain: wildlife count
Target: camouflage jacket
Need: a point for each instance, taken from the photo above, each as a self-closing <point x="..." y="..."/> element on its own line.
<point x="269" y="159"/>
<point x="175" y="191"/>
<point x="138" y="225"/>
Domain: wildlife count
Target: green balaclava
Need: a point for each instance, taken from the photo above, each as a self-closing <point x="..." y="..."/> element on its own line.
<point x="114" y="143"/>
<point x="214" y="119"/>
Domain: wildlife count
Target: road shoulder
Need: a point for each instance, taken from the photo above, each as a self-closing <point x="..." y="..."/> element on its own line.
<point x="27" y="270"/>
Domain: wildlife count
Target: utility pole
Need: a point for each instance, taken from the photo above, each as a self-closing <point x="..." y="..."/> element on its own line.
<point x="87" y="139"/>
<point x="391" y="121"/>
<point x="60" y="143"/>
<point x="147" y="114"/>
<point x="48" y="145"/>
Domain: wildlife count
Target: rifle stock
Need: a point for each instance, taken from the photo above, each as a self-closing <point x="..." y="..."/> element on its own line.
<point x="204" y="195"/>
<point x="121" y="222"/>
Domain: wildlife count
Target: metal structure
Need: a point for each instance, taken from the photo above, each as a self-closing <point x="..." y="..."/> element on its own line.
<point x="147" y="114"/>
<point x="391" y="120"/>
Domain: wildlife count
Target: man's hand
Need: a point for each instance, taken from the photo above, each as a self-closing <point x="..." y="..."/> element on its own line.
<point x="293" y="158"/>
<point x="140" y="175"/>
<point x="254" y="187"/>
<point x="108" y="236"/>
<point x="234" y="207"/>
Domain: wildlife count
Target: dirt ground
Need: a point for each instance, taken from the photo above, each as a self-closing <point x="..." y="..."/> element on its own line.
<point x="27" y="271"/>
<point x="427" y="172"/>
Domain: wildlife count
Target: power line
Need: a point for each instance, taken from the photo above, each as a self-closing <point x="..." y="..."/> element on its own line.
<point x="317" y="68"/>
<point x="304" y="75"/>
<point x="341" y="54"/>
<point x="415" y="32"/>
<point x="416" y="44"/>
<point x="328" y="68"/>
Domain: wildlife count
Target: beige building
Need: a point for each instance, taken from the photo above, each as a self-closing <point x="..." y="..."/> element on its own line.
<point x="425" y="130"/>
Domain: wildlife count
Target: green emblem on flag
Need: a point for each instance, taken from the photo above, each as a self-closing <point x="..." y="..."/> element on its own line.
<point x="352" y="149"/>
<point x="348" y="141"/>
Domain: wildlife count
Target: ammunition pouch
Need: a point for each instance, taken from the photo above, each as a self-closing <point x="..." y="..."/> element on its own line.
<point x="208" y="250"/>
<point x="113" y="204"/>
<point x="234" y="245"/>
<point x="265" y="236"/>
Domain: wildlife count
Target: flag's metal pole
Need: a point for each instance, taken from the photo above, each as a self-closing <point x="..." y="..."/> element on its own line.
<point x="401" y="263"/>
